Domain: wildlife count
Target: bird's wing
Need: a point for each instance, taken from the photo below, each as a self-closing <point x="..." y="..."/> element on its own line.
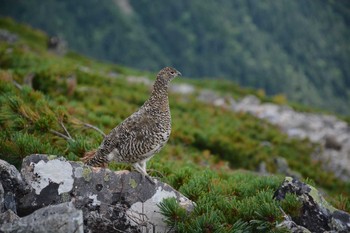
<point x="135" y="128"/>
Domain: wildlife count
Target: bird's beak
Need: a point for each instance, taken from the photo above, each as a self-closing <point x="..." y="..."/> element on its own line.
<point x="179" y="73"/>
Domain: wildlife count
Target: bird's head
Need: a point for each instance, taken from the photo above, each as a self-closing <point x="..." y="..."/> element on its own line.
<point x="168" y="74"/>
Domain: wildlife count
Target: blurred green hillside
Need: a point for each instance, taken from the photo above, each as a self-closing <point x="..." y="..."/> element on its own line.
<point x="298" y="48"/>
<point x="48" y="104"/>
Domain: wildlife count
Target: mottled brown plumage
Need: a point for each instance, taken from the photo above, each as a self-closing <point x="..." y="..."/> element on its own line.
<point x="142" y="134"/>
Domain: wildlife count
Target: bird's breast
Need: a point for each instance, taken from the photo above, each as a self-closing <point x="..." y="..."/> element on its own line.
<point x="166" y="134"/>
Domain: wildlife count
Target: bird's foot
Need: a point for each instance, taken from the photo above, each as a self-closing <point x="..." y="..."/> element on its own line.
<point x="150" y="179"/>
<point x="143" y="172"/>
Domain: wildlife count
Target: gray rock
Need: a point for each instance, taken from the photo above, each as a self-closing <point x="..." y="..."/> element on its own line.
<point x="8" y="217"/>
<point x="283" y="168"/>
<point x="8" y="36"/>
<point x="289" y="224"/>
<point x="142" y="80"/>
<point x="281" y="165"/>
<point x="10" y="202"/>
<point x="10" y="178"/>
<point x="331" y="142"/>
<point x="250" y="100"/>
<point x="262" y="168"/>
<point x="12" y="186"/>
<point x="184" y="89"/>
<point x="207" y="96"/>
<point x="57" y="45"/>
<point x="113" y="74"/>
<point x="317" y="215"/>
<point x="2" y="199"/>
<point x="61" y="218"/>
<point x="110" y="201"/>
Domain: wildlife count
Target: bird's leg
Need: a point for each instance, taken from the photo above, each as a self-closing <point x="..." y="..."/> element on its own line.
<point x="141" y="168"/>
<point x="143" y="165"/>
<point x="138" y="168"/>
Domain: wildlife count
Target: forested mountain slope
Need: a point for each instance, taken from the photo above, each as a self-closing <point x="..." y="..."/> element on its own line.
<point x="299" y="48"/>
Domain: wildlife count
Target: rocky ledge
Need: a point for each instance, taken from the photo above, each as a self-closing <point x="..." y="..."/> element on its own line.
<point x="332" y="134"/>
<point x="64" y="196"/>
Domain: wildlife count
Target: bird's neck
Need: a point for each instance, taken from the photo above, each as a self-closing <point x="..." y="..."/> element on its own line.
<point x="159" y="95"/>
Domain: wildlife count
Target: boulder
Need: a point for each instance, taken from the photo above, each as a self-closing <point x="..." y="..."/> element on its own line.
<point x="12" y="186"/>
<point x="61" y="218"/>
<point x="317" y="215"/>
<point x="57" y="45"/>
<point x="331" y="142"/>
<point x="111" y="201"/>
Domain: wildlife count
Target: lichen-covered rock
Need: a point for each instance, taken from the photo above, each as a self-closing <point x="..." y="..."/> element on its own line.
<point x="12" y="186"/>
<point x="110" y="201"/>
<point x="317" y="215"/>
<point x="60" y="218"/>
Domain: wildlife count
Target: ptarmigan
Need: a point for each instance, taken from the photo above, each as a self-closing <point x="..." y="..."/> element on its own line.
<point x="142" y="134"/>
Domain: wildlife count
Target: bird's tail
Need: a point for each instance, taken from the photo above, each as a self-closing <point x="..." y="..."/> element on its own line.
<point x="92" y="158"/>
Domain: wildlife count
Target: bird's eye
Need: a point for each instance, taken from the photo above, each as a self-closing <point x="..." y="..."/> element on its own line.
<point x="172" y="72"/>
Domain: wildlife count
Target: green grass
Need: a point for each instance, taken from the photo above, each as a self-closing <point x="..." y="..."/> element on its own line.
<point x="206" y="158"/>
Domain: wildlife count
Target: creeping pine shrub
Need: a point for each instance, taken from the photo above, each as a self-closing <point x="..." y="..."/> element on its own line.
<point x="173" y="213"/>
<point x="238" y="202"/>
<point x="17" y="145"/>
<point x="291" y="205"/>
